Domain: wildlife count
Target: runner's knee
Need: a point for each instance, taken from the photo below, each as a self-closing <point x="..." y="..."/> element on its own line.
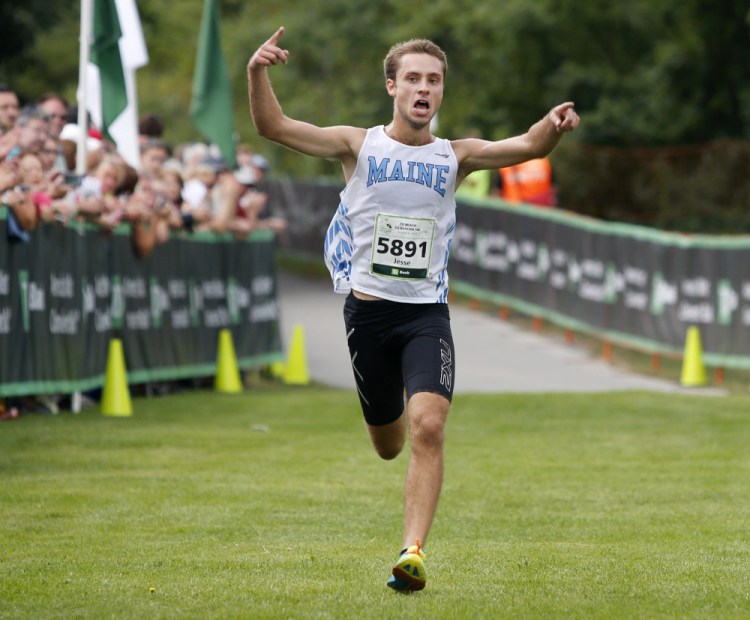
<point x="427" y="416"/>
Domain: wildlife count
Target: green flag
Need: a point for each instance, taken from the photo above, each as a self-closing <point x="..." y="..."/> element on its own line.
<point x="211" y="107"/>
<point x="105" y="54"/>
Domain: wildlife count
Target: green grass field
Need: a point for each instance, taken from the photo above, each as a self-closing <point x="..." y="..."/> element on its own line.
<point x="271" y="504"/>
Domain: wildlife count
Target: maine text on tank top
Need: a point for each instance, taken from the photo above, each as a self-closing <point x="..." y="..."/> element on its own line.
<point x="391" y="234"/>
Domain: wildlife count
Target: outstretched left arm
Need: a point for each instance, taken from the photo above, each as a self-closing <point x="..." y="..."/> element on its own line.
<point x="541" y="138"/>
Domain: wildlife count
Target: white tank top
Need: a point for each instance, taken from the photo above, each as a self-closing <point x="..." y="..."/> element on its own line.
<point x="391" y="235"/>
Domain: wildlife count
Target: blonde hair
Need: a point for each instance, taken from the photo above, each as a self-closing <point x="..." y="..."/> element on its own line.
<point x="413" y="46"/>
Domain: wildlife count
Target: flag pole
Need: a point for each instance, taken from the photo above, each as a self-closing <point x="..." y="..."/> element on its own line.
<point x="83" y="61"/>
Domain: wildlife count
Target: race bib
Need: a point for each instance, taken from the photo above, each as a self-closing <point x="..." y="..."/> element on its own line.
<point x="402" y="246"/>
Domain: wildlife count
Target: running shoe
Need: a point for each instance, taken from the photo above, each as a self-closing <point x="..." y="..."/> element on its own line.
<point x="409" y="574"/>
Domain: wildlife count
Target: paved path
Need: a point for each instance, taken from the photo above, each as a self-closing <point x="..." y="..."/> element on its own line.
<point x="492" y="355"/>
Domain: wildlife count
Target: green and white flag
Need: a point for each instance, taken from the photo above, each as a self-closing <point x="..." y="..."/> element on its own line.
<point x="105" y="54"/>
<point x="211" y="106"/>
<point x="117" y="50"/>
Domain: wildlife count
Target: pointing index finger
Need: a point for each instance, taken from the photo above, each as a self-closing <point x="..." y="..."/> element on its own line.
<point x="276" y="36"/>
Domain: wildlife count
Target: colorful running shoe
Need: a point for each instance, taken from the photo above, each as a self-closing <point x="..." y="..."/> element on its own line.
<point x="409" y="574"/>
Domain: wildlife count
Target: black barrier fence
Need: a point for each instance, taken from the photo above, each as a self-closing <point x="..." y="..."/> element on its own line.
<point x="68" y="292"/>
<point x="635" y="286"/>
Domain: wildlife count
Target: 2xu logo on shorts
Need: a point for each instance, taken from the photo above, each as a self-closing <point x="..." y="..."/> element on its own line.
<point x="446" y="372"/>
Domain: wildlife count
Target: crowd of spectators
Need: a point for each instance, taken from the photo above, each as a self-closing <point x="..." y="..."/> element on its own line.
<point x="186" y="188"/>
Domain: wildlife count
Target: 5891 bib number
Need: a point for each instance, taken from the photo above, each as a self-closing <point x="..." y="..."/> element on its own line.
<point x="402" y="246"/>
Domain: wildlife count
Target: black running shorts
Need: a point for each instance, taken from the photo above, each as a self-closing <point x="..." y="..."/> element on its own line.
<point x="395" y="346"/>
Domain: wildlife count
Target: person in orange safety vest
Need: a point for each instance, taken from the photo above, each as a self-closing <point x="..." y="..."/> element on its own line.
<point x="530" y="181"/>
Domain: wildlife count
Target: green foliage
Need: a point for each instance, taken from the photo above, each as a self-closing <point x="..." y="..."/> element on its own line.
<point x="700" y="189"/>
<point x="39" y="47"/>
<point x="272" y="504"/>
<point x="642" y="73"/>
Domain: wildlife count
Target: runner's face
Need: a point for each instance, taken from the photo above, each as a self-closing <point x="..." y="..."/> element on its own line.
<point x="418" y="89"/>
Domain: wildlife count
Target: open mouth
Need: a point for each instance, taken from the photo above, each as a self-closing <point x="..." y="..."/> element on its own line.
<point x="422" y="104"/>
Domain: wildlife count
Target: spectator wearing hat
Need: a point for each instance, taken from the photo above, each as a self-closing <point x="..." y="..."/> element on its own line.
<point x="251" y="207"/>
<point x="261" y="166"/>
<point x="244" y="155"/>
<point x="70" y="136"/>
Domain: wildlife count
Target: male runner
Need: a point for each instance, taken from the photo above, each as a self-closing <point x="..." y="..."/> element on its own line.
<point x="387" y="248"/>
